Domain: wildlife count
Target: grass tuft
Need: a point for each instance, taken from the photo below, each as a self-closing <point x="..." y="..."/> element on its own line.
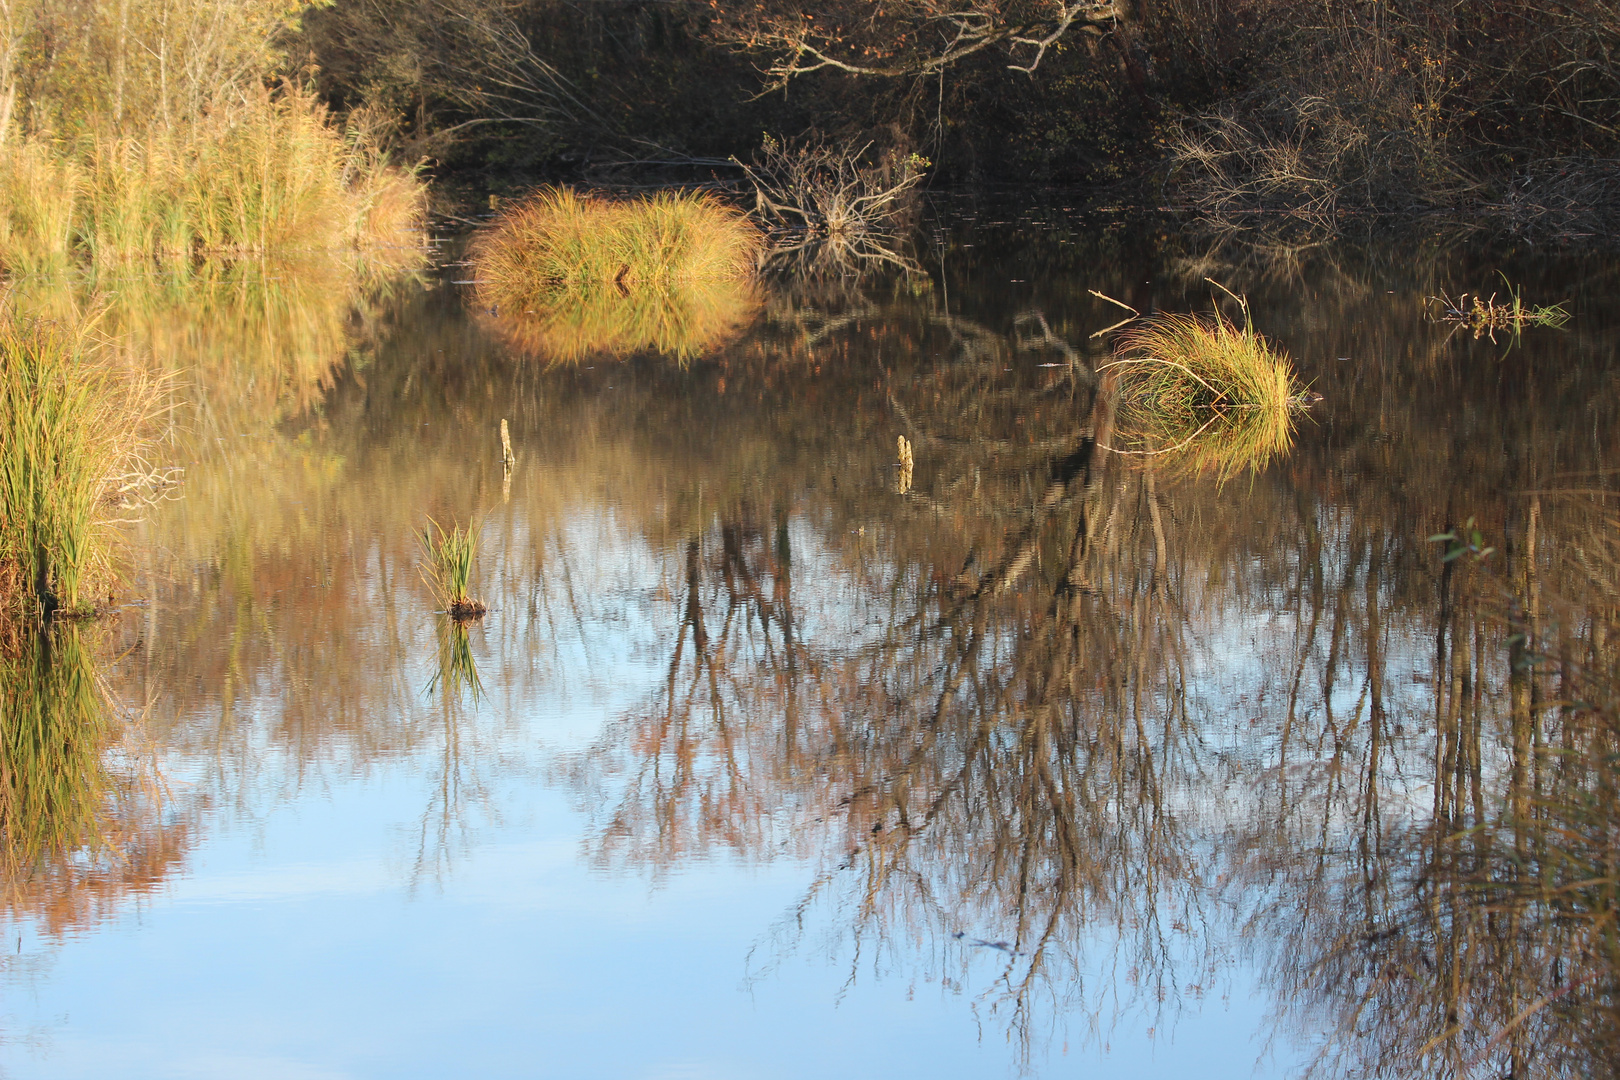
<point x="1206" y="393"/>
<point x="567" y="274"/>
<point x="448" y="568"/>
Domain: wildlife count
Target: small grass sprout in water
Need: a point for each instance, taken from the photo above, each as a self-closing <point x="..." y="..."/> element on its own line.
<point x="1487" y="317"/>
<point x="448" y="568"/>
<point x="1206" y="393"/>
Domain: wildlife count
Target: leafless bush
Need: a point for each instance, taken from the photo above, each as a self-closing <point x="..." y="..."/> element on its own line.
<point x="1227" y="169"/>
<point x="831" y="189"/>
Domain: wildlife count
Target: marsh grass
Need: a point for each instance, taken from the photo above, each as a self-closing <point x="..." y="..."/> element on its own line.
<point x="269" y="173"/>
<point x="73" y="427"/>
<point x="447" y="567"/>
<point x="1487" y="317"/>
<point x="1205" y="393"/>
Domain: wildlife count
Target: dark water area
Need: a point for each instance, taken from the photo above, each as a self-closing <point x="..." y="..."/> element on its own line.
<point x="773" y="759"/>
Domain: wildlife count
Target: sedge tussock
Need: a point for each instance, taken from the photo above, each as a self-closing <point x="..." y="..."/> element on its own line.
<point x="567" y="274"/>
<point x="1205" y="394"/>
<point x="559" y="240"/>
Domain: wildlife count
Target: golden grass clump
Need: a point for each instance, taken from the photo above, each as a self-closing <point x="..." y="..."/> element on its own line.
<point x="71" y="437"/>
<point x="558" y="240"/>
<point x="269" y="173"/>
<point x="1206" y="394"/>
<point x="566" y="275"/>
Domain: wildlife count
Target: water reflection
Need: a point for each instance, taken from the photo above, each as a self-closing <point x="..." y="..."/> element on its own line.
<point x="1082" y="735"/>
<point x="682" y="321"/>
<point x="83" y="824"/>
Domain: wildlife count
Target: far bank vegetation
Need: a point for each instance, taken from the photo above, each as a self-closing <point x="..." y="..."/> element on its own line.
<point x="149" y="128"/>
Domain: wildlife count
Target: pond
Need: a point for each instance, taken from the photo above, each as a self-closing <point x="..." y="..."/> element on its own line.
<point x="775" y="759"/>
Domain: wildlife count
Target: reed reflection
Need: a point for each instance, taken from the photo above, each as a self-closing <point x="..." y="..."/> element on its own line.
<point x="84" y="824"/>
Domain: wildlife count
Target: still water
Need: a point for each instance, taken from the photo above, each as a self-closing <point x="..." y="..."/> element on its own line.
<point x="772" y="759"/>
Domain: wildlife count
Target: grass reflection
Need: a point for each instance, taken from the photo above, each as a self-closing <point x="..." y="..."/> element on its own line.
<point x="1108" y="713"/>
<point x="682" y="321"/>
<point x="457" y="670"/>
<point x="82" y="823"/>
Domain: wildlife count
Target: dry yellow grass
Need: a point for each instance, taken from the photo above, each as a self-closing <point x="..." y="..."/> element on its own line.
<point x="269" y="173"/>
<point x="566" y="275"/>
<point x="1205" y="394"/>
<point x="559" y="240"/>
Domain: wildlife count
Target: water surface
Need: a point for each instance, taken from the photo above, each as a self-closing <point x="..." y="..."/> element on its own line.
<point x="1042" y="759"/>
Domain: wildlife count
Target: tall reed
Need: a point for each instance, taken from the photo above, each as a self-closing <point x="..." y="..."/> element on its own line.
<point x="71" y="428"/>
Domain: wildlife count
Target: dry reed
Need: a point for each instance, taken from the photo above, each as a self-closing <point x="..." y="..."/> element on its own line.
<point x="270" y="173"/>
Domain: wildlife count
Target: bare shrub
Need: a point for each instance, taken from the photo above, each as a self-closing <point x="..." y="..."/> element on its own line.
<point x="833" y="189"/>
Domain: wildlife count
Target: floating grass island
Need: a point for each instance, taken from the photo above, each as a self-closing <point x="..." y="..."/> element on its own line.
<point x="1206" y="394"/>
<point x="565" y="274"/>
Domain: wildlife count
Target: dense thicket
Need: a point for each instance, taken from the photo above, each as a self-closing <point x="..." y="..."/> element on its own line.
<point x="1311" y="104"/>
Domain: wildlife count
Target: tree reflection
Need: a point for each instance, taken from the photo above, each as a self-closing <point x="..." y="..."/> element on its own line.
<point x="1074" y="730"/>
